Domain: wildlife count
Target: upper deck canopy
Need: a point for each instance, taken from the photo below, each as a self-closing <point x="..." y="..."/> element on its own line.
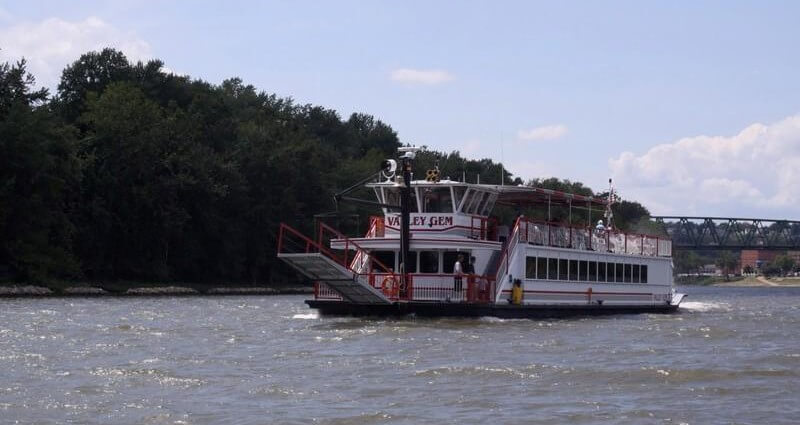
<point x="477" y="199"/>
<point x="527" y="195"/>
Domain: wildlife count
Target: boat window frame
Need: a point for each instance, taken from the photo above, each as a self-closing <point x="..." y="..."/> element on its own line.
<point x="552" y="269"/>
<point x="438" y="261"/>
<point x="392" y="265"/>
<point x="541" y="272"/>
<point x="390" y="190"/>
<point x="414" y="263"/>
<point x="563" y="263"/>
<point x="440" y="188"/>
<point x="380" y="195"/>
<point x="489" y="204"/>
<point x="592" y="273"/>
<point x="467" y="256"/>
<point x="573" y="270"/>
<point x="477" y="197"/>
<point x="457" y="199"/>
<point x="583" y="270"/>
<point x="530" y="267"/>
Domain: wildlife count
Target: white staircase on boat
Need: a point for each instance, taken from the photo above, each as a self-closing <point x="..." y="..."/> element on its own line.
<point x="320" y="268"/>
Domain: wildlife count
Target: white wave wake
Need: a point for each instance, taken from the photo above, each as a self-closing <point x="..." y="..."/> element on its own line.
<point x="703" y="307"/>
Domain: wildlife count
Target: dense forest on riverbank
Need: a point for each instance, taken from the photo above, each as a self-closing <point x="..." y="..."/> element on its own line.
<point x="130" y="173"/>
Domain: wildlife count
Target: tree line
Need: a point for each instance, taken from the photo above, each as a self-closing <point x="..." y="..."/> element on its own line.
<point x="128" y="172"/>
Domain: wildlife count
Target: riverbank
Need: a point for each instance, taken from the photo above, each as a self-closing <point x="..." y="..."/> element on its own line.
<point x="738" y="281"/>
<point x="117" y="289"/>
<point x="763" y="281"/>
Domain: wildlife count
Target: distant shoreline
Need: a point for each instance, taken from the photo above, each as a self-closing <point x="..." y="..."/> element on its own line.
<point x="760" y="281"/>
<point x="739" y="281"/>
<point x="26" y="291"/>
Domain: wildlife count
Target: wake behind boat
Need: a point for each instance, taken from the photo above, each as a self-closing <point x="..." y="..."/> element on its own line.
<point x="438" y="251"/>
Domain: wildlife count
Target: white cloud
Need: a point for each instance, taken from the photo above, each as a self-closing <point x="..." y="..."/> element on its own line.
<point x="548" y="132"/>
<point x="528" y="169"/>
<point x="52" y="44"/>
<point x="471" y="147"/>
<point x="754" y="172"/>
<point x="421" y="76"/>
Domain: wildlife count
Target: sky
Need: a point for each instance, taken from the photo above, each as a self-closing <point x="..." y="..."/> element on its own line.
<point x="692" y="107"/>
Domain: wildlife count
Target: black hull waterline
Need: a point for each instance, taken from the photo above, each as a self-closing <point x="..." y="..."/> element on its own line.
<point x="506" y="311"/>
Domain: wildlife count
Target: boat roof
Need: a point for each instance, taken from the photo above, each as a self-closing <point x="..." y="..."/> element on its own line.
<point x="530" y="195"/>
<point x="519" y="195"/>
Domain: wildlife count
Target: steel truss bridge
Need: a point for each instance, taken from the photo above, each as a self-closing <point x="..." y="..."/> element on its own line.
<point x="725" y="233"/>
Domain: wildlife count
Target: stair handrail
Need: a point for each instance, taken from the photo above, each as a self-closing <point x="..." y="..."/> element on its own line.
<point x="359" y="259"/>
<point x="502" y="269"/>
<point x="310" y="244"/>
<point x="349" y="242"/>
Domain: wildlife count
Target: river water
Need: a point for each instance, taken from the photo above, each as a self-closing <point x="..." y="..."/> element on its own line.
<point x="731" y="356"/>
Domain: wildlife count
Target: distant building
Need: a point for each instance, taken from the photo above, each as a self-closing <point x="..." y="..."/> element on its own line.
<point x="755" y="259"/>
<point x="709" y="270"/>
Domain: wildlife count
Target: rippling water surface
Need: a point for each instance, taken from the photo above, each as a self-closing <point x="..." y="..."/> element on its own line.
<point x="731" y="356"/>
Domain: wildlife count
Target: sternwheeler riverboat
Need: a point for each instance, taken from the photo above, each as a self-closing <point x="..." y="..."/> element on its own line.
<point x="437" y="251"/>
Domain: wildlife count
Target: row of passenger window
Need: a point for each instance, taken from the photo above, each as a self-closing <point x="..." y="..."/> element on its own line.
<point x="584" y="271"/>
<point x="422" y="261"/>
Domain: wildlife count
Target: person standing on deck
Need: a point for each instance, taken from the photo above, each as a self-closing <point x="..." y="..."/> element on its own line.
<point x="458" y="271"/>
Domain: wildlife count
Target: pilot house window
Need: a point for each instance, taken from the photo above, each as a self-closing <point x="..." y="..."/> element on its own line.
<point x="437" y="200"/>
<point x="393" y="198"/>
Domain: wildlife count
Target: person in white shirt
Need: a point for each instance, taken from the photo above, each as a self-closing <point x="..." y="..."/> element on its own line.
<point x="458" y="271"/>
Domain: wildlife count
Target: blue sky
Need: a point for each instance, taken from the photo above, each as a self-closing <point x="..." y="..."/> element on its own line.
<point x="693" y="107"/>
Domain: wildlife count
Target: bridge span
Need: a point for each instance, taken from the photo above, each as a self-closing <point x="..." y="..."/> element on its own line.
<point x="728" y="233"/>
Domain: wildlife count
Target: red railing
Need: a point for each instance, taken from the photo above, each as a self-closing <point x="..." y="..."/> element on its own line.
<point x="417" y="287"/>
<point x="593" y="239"/>
<point x="482" y="228"/>
<point x="292" y="241"/>
<point x="423" y="287"/>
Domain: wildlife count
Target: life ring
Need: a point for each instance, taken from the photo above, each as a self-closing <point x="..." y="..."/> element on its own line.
<point x="389" y="286"/>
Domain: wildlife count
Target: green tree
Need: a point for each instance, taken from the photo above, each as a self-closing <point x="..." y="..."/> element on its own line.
<point x="151" y="191"/>
<point x="38" y="171"/>
<point x="727" y="262"/>
<point x="784" y="263"/>
<point x="687" y="262"/>
<point x="92" y="72"/>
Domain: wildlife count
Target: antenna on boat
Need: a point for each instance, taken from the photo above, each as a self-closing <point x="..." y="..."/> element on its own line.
<point x="502" y="159"/>
<point x="612" y="198"/>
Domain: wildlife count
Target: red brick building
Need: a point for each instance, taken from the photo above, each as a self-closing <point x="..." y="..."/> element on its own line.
<point x="756" y="258"/>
